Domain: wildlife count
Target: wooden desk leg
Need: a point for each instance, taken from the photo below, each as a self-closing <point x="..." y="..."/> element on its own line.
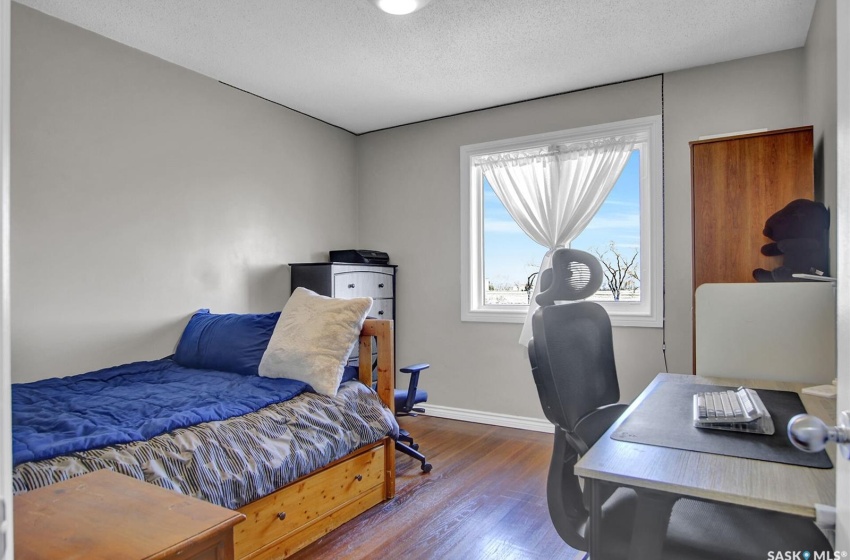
<point x="594" y="488"/>
<point x="651" y="520"/>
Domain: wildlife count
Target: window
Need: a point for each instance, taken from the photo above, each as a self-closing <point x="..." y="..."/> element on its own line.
<point x="500" y="262"/>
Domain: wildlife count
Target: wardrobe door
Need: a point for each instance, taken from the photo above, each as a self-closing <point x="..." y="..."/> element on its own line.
<point x="737" y="183"/>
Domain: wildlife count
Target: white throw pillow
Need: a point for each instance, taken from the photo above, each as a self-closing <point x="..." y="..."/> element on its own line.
<point x="313" y="338"/>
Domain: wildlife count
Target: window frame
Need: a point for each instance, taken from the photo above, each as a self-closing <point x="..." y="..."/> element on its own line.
<point x="647" y="312"/>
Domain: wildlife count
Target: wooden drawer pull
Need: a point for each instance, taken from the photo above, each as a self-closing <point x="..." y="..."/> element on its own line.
<point x="281" y="515"/>
<point x="358" y="477"/>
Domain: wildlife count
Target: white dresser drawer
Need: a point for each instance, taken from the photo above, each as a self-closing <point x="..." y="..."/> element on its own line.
<point x="337" y="268"/>
<point x="362" y="283"/>
<point x="382" y="309"/>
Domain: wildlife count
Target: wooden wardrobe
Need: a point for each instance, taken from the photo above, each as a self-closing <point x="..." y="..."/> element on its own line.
<point x="737" y="183"/>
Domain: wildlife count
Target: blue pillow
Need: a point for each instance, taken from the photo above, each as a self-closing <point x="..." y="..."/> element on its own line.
<point x="349" y="373"/>
<point x="231" y="342"/>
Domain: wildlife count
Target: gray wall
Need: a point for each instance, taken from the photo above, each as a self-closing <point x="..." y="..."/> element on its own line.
<point x="821" y="107"/>
<point x="409" y="206"/>
<point x="409" y="178"/>
<point x="752" y="93"/>
<point x="142" y="191"/>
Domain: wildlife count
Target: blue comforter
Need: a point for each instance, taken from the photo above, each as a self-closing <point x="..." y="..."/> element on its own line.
<point x="132" y="402"/>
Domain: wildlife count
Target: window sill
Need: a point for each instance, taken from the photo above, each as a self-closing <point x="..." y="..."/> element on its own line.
<point x="518" y="313"/>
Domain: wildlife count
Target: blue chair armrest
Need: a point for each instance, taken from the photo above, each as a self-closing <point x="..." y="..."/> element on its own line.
<point x="405" y="400"/>
<point x="416" y="368"/>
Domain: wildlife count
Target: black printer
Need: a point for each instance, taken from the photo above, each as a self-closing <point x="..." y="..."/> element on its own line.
<point x="359" y="256"/>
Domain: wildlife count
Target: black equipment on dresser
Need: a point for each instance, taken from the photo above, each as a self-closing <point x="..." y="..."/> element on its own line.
<point x="359" y="256"/>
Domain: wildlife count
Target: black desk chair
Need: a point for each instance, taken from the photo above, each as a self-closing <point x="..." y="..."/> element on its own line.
<point x="405" y="405"/>
<point x="572" y="361"/>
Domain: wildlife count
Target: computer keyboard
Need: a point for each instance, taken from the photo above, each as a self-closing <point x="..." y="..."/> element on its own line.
<point x="739" y="410"/>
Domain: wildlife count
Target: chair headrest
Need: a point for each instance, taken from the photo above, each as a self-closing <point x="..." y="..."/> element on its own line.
<point x="574" y="275"/>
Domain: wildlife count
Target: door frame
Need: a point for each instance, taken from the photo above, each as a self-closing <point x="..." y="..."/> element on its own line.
<point x="5" y="362"/>
<point x="841" y="214"/>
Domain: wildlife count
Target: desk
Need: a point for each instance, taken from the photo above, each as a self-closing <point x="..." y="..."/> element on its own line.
<point x="665" y="471"/>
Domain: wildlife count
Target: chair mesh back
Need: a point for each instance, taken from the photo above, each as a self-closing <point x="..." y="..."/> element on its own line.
<point x="574" y="275"/>
<point x="575" y="361"/>
<point x="546" y="390"/>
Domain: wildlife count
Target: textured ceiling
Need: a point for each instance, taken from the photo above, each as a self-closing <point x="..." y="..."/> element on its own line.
<point x="351" y="65"/>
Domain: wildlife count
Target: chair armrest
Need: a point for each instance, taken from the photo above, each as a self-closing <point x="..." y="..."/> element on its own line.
<point x="407" y="406"/>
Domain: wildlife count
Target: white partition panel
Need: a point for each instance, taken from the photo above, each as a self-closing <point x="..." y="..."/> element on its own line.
<point x="783" y="331"/>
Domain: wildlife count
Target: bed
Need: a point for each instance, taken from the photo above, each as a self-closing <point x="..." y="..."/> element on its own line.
<point x="297" y="463"/>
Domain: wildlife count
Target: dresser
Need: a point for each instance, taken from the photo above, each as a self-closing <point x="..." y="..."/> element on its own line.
<point x="109" y="515"/>
<point x="344" y="280"/>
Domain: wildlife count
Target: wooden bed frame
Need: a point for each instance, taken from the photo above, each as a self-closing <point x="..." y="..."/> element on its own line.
<point x="305" y="510"/>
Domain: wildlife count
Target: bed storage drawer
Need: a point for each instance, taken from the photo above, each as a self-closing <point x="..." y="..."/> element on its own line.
<point x="281" y="523"/>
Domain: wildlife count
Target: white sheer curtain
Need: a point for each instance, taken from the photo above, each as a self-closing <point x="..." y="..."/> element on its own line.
<point x="553" y="192"/>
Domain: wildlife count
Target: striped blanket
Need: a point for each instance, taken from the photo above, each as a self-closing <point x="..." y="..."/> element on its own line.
<point x="238" y="460"/>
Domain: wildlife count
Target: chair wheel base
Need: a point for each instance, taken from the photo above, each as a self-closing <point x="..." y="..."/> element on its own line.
<point x="408" y="450"/>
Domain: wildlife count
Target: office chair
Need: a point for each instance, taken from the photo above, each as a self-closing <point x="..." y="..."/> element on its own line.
<point x="405" y="405"/>
<point x="572" y="361"/>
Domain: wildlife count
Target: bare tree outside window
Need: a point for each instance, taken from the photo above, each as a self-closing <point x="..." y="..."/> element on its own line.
<point x="621" y="271"/>
<point x="529" y="284"/>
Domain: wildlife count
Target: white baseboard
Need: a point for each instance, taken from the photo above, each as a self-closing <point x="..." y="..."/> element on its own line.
<point x="491" y="418"/>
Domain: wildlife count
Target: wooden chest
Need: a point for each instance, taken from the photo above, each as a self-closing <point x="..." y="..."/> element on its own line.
<point x="108" y="515"/>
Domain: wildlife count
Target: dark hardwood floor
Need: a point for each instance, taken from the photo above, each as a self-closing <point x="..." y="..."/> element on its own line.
<point x="485" y="499"/>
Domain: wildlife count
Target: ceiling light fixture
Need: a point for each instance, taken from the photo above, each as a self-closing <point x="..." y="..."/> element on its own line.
<point x="400" y="7"/>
